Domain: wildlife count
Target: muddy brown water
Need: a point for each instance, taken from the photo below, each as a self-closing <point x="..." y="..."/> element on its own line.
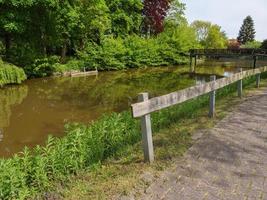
<point x="40" y="107"/>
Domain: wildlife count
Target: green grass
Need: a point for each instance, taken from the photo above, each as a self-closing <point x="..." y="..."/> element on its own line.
<point x="10" y="74"/>
<point x="123" y="173"/>
<point x="37" y="171"/>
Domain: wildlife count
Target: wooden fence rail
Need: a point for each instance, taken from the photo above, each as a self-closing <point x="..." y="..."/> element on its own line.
<point x="146" y="106"/>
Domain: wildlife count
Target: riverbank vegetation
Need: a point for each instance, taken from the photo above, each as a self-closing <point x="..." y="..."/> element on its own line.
<point x="51" y="36"/>
<point x="10" y="74"/>
<point x="37" y="171"/>
<point x="45" y="37"/>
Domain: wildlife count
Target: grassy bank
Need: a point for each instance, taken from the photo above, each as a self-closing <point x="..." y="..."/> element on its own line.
<point x="10" y="74"/>
<point x="86" y="146"/>
<point x="119" y="175"/>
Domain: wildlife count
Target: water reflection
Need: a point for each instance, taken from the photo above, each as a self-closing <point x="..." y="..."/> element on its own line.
<point x="42" y="106"/>
<point x="9" y="97"/>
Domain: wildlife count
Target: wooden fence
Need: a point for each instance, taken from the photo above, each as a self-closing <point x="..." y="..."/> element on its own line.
<point x="245" y="52"/>
<point x="146" y="106"/>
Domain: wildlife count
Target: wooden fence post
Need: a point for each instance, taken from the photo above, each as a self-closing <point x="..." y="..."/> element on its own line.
<point x="146" y="132"/>
<point x="258" y="80"/>
<point x="240" y="85"/>
<point x="254" y="62"/>
<point x="212" y="99"/>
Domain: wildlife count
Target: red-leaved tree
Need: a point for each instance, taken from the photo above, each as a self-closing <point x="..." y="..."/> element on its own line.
<point x="155" y="12"/>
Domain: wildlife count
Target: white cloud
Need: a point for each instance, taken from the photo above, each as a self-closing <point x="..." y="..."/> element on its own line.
<point x="229" y="14"/>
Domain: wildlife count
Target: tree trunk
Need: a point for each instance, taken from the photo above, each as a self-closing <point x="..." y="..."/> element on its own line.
<point x="7" y="44"/>
<point x="63" y="52"/>
<point x="43" y="46"/>
<point x="82" y="44"/>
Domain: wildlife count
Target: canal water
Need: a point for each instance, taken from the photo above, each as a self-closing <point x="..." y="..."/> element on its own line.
<point x="40" y="107"/>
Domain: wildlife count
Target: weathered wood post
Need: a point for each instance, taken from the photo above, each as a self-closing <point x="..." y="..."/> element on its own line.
<point x="195" y="60"/>
<point x="258" y="80"/>
<point x="146" y="132"/>
<point x="212" y="99"/>
<point x="240" y="85"/>
<point x="255" y="62"/>
<point x="191" y="63"/>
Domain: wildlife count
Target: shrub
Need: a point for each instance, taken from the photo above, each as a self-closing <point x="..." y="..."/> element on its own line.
<point x="42" y="67"/>
<point x="110" y="55"/>
<point x="72" y="65"/>
<point x="252" y="45"/>
<point x="10" y="74"/>
<point x="134" y="51"/>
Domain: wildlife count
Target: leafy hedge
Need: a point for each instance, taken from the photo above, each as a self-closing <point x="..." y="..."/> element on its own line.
<point x="10" y="74"/>
<point x="168" y="48"/>
<point x="35" y="171"/>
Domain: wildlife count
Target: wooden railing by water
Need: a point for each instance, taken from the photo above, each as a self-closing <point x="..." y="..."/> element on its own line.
<point x="146" y="106"/>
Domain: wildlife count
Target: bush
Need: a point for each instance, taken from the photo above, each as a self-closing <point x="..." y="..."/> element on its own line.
<point x="252" y="45"/>
<point x="169" y="48"/>
<point x="42" y="67"/>
<point x="10" y="74"/>
<point x="110" y="55"/>
<point x="72" y="65"/>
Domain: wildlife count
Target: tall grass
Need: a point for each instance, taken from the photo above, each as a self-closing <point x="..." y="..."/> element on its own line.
<point x="10" y="74"/>
<point x="35" y="171"/>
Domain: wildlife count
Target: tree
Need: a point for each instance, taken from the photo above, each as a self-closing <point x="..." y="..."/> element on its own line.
<point x="233" y="44"/>
<point x="13" y="20"/>
<point x="155" y="12"/>
<point x="209" y="35"/>
<point x="126" y="16"/>
<point x="202" y="28"/>
<point x="176" y="14"/>
<point x="264" y="44"/>
<point x="216" y="38"/>
<point x="247" y="31"/>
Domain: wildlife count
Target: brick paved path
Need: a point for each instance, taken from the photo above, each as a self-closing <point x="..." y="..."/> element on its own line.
<point x="228" y="162"/>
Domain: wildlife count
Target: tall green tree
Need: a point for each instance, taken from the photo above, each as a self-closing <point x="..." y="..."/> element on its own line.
<point x="209" y="35"/>
<point x="13" y="20"/>
<point x="216" y="39"/>
<point x="247" y="31"/>
<point x="202" y="28"/>
<point x="126" y="16"/>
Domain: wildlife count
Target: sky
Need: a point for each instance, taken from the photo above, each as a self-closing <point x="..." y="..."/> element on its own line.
<point x="229" y="14"/>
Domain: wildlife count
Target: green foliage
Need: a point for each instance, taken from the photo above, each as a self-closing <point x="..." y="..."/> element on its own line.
<point x="126" y="16"/>
<point x="42" y="67"/>
<point x="105" y="34"/>
<point x="72" y="65"/>
<point x="210" y="35"/>
<point x="35" y="171"/>
<point x="167" y="48"/>
<point x="252" y="45"/>
<point x="110" y="55"/>
<point x="216" y="39"/>
<point x="10" y="74"/>
<point x="247" y="31"/>
<point x="264" y="44"/>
